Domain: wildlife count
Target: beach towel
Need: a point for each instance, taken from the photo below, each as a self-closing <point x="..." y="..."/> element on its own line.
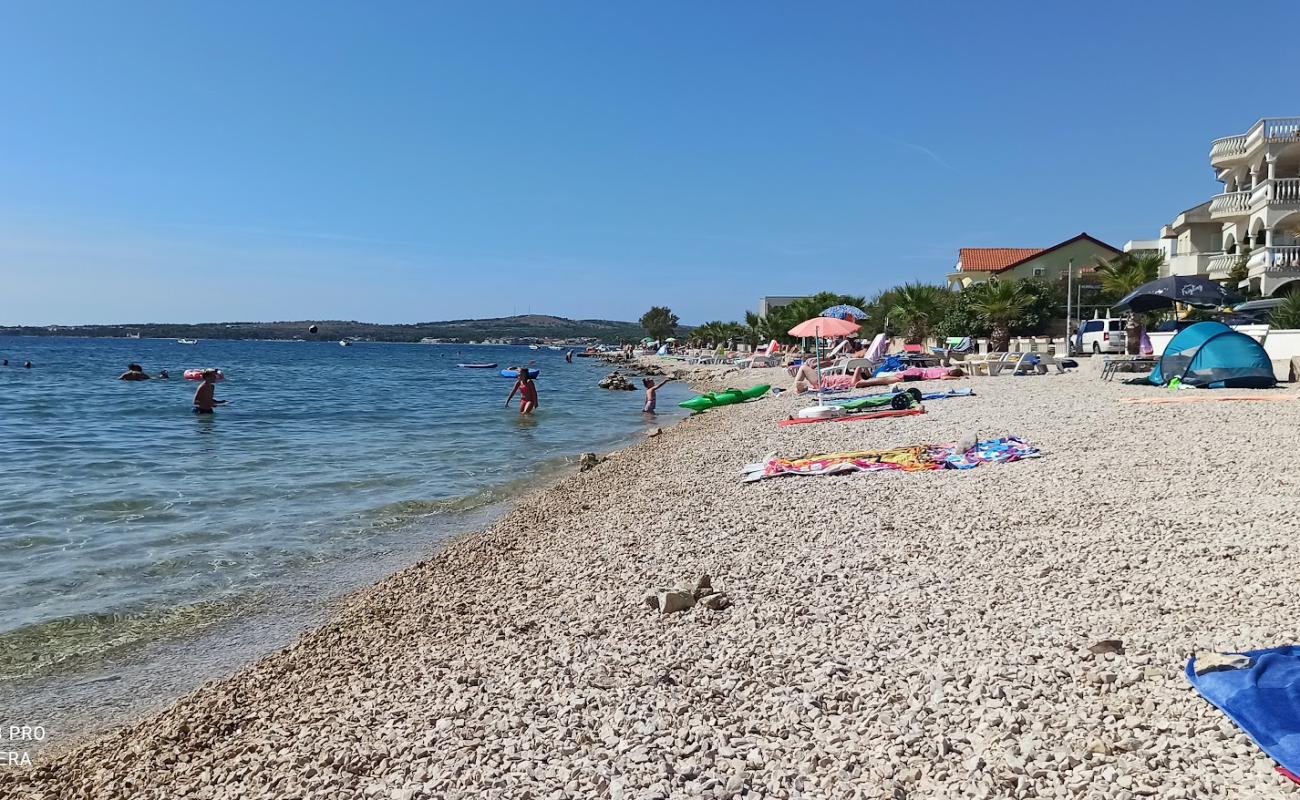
<point x="1156" y="401"/>
<point x="917" y="458"/>
<point x="854" y="417"/>
<point x="1262" y="697"/>
<point x="879" y="346"/>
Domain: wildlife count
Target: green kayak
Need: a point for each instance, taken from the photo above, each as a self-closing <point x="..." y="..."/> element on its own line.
<point x="724" y="398"/>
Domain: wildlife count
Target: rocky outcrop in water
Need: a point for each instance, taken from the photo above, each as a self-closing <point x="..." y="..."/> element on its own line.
<point x="616" y="381"/>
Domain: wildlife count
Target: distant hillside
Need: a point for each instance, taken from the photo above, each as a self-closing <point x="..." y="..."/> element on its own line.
<point x="525" y="328"/>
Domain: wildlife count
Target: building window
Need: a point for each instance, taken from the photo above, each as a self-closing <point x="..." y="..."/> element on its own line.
<point x="1038" y="272"/>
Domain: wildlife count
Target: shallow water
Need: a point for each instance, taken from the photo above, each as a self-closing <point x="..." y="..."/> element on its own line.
<point x="126" y="520"/>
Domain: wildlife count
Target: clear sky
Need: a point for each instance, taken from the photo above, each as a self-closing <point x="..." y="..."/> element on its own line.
<point x="413" y="161"/>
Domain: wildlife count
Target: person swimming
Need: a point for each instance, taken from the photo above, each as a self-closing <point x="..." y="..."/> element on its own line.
<point x="204" y="396"/>
<point x="134" y="372"/>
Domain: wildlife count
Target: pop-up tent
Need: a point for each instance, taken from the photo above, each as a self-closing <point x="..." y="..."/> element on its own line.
<point x="1213" y="356"/>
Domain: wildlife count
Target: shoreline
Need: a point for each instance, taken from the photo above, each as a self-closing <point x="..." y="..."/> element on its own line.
<point x="923" y="633"/>
<point x="146" y="677"/>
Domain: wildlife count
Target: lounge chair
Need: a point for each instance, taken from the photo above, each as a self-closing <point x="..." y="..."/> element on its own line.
<point x="1024" y="362"/>
<point x="759" y="361"/>
<point x="847" y="365"/>
<point x="987" y="364"/>
<point x="954" y="346"/>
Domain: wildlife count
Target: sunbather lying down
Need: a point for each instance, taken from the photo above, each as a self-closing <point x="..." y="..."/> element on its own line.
<point x="805" y="380"/>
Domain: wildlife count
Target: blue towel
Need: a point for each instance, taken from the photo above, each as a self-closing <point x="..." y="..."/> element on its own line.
<point x="1263" y="699"/>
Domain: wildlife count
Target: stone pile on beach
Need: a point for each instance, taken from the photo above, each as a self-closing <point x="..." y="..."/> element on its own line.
<point x="1010" y="631"/>
<point x="616" y="381"/>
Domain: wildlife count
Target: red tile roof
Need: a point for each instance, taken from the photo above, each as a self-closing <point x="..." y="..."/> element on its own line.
<point x="1001" y="259"/>
<point x="992" y="259"/>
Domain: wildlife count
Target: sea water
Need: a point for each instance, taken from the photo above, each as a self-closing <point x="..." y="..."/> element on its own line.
<point x="126" y="519"/>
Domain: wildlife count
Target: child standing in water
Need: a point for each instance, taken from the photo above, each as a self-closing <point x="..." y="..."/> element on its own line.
<point x="204" y="400"/>
<point x="527" y="392"/>
<point x="650" y="391"/>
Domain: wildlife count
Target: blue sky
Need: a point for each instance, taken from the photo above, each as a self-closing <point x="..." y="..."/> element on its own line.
<point x="198" y="161"/>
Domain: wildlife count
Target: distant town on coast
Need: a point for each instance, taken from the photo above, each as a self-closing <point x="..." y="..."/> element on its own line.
<point x="522" y="329"/>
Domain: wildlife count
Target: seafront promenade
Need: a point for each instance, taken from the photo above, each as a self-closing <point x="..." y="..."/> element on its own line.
<point x="901" y="635"/>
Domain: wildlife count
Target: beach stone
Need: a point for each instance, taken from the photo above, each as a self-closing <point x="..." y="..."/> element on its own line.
<point x="670" y="601"/>
<point x="1098" y="746"/>
<point x="716" y="601"/>
<point x="588" y="461"/>
<point x="703" y="586"/>
<point x="1107" y="646"/>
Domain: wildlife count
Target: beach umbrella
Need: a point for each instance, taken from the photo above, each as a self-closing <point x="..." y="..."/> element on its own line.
<point x="1186" y="289"/>
<point x="850" y="313"/>
<point x="819" y="327"/>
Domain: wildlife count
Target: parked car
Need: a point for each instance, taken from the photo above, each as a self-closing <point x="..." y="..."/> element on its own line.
<point x="1257" y="311"/>
<point x="1098" y="336"/>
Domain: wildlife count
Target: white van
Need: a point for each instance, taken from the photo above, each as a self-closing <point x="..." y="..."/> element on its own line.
<point x="1098" y="336"/>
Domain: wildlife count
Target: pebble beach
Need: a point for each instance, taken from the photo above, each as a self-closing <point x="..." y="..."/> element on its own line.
<point x="1015" y="630"/>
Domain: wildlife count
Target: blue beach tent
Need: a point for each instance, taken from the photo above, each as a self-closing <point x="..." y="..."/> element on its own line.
<point x="1213" y="356"/>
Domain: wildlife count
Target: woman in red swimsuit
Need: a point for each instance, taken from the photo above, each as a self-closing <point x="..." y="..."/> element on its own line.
<point x="527" y="392"/>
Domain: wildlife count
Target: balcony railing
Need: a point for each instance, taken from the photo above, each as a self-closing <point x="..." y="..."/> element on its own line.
<point x="1228" y="148"/>
<point x="1229" y="204"/>
<point x="1231" y="148"/>
<point x="1221" y="265"/>
<point x="1284" y="258"/>
<point x="1286" y="191"/>
<point x="1282" y="129"/>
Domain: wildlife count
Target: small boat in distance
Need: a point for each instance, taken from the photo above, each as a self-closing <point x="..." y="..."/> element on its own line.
<point x="344" y="343"/>
<point x="135" y="335"/>
<point x="534" y="347"/>
<point x="478" y="366"/>
<point x="553" y="347"/>
<point x="187" y="341"/>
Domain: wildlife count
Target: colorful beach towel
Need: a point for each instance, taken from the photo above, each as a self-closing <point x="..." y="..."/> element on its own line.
<point x="918" y="458"/>
<point x="1262" y="696"/>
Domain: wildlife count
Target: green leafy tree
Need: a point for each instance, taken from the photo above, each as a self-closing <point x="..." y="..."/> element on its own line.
<point x="1239" y="274"/>
<point x="659" y="322"/>
<point x="877" y="309"/>
<point x="961" y="318"/>
<point x="918" y="308"/>
<point x="1287" y="315"/>
<point x="1001" y="305"/>
<point x="1119" y="277"/>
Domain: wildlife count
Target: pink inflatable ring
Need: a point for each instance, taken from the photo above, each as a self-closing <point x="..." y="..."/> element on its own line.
<point x="197" y="375"/>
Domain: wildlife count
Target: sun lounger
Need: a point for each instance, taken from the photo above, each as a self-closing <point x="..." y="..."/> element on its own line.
<point x="983" y="364"/>
<point x="846" y="366"/>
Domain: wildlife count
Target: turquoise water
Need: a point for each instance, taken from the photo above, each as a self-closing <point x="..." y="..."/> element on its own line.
<point x="125" y="518"/>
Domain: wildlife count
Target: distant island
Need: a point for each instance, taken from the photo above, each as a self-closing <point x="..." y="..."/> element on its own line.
<point x="522" y="329"/>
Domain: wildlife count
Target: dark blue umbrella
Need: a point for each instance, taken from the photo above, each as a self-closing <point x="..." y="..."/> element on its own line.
<point x="844" y="312"/>
<point x="1186" y="289"/>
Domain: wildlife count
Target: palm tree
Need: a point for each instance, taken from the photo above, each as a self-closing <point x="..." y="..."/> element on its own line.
<point x="1287" y="315"/>
<point x="1001" y="305"/>
<point x="918" y="307"/>
<point x="1122" y="275"/>
<point x="710" y="333"/>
